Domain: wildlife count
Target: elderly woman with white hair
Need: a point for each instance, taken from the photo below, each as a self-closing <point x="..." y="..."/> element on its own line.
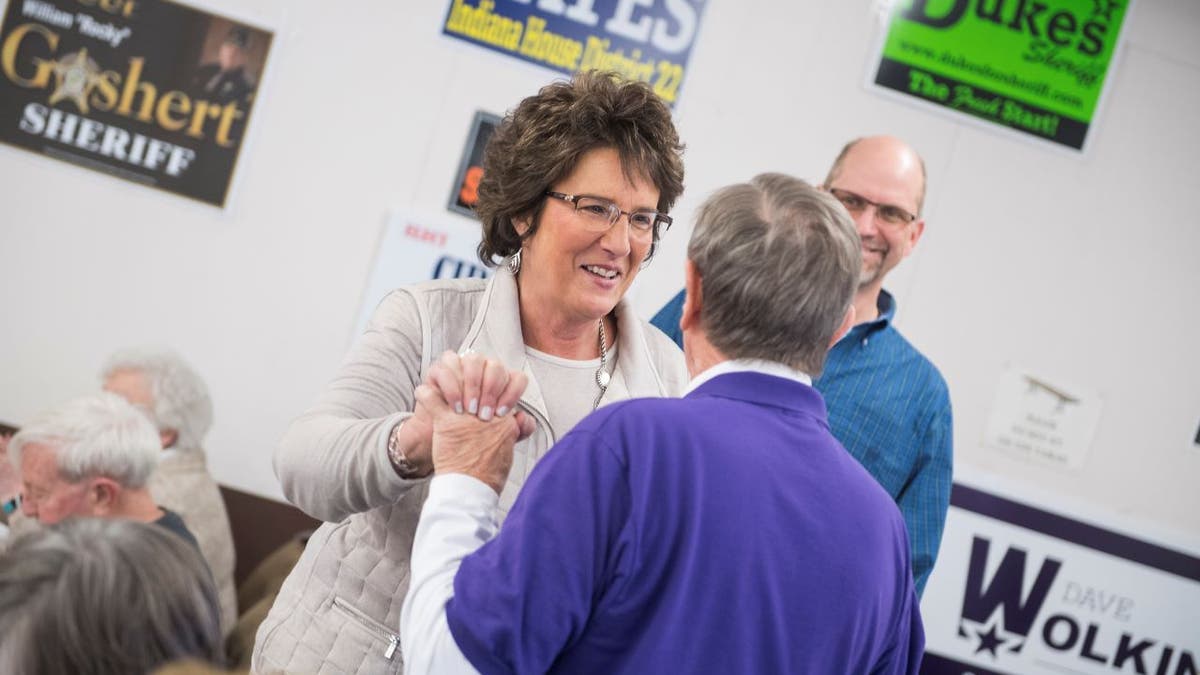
<point x="104" y="596"/>
<point x="176" y="400"/>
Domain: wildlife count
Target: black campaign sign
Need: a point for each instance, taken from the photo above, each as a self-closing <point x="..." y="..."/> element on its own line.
<point x="150" y="91"/>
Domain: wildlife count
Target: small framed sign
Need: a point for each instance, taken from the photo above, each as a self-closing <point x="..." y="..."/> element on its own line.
<point x="470" y="170"/>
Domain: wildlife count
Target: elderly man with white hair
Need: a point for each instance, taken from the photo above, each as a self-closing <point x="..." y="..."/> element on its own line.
<point x="91" y="457"/>
<point x="176" y="400"/>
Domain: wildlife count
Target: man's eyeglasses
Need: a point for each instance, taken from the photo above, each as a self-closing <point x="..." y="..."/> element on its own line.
<point x="888" y="213"/>
<point x="598" y="214"/>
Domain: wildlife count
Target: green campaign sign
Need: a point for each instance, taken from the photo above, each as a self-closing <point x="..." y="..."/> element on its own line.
<point x="1036" y="66"/>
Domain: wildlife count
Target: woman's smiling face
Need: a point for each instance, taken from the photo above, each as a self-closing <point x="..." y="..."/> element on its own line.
<point x="587" y="272"/>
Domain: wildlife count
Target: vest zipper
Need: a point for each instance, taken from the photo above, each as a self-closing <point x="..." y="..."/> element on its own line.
<point x="393" y="641"/>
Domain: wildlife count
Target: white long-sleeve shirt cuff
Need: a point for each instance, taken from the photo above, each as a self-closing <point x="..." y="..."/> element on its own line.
<point x="458" y="517"/>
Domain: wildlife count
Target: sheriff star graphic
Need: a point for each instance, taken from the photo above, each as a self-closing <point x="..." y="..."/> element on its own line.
<point x="76" y="74"/>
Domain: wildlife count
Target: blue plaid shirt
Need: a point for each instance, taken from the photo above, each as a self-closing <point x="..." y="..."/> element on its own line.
<point x="891" y="409"/>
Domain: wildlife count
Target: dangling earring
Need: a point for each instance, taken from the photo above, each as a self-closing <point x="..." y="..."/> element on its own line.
<point x="514" y="263"/>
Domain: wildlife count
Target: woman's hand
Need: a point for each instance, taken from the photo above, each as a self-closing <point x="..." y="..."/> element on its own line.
<point x="469" y="445"/>
<point x="468" y="384"/>
<point x="476" y="385"/>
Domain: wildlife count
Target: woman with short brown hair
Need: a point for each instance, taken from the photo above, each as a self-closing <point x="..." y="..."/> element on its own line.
<point x="577" y="181"/>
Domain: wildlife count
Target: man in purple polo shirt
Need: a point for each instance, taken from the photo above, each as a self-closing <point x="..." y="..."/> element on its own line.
<point x="724" y="532"/>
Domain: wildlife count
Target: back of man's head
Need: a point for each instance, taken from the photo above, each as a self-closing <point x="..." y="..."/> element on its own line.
<point x="779" y="262"/>
<point x="104" y="596"/>
<point x="96" y="435"/>
<point x="178" y="398"/>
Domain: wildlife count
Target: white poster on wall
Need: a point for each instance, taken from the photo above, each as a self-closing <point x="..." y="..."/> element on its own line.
<point x="1042" y="420"/>
<point x="1022" y="590"/>
<point x="417" y="247"/>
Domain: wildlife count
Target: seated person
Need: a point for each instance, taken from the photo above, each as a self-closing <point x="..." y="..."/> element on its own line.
<point x="176" y="400"/>
<point x="104" y="596"/>
<point x="10" y="485"/>
<point x="91" y="457"/>
<point x="724" y="532"/>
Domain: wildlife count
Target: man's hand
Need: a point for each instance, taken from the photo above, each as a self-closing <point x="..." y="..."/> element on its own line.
<point x="466" y="444"/>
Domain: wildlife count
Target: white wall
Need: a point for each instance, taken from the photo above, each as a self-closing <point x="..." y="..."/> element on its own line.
<point x="1077" y="267"/>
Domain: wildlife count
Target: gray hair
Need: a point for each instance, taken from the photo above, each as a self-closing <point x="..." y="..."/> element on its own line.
<point x="99" y="434"/>
<point x="93" y="595"/>
<point x="779" y="263"/>
<point x="181" y="400"/>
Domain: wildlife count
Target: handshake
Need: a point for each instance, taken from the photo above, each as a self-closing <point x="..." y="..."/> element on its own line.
<point x="466" y="410"/>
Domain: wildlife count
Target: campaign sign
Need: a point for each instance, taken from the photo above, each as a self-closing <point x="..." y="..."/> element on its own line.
<point x="1021" y="590"/>
<point x="417" y="247"/>
<point x="464" y="194"/>
<point x="146" y="90"/>
<point x="646" y="40"/>
<point x="1037" y="67"/>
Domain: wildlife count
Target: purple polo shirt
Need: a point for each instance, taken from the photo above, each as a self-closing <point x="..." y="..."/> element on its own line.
<point x="725" y="532"/>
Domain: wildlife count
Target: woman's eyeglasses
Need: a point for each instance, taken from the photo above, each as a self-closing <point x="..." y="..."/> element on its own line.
<point x="599" y="214"/>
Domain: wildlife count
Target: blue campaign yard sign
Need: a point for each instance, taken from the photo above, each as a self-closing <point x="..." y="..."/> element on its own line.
<point x="647" y="40"/>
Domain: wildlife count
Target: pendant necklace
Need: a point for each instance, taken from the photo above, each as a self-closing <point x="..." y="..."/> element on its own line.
<point x="602" y="376"/>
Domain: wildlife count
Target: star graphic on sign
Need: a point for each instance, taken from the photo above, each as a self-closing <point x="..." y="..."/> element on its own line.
<point x="76" y="75"/>
<point x="989" y="641"/>
<point x="1105" y="8"/>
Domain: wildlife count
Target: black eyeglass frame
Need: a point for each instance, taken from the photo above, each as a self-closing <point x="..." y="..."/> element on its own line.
<point x="903" y="216"/>
<point x="615" y="212"/>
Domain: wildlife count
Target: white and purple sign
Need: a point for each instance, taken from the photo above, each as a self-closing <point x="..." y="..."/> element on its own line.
<point x="1022" y="590"/>
<point x="419" y="247"/>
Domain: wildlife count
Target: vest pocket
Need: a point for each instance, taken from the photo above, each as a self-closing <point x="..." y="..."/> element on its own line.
<point x="390" y="641"/>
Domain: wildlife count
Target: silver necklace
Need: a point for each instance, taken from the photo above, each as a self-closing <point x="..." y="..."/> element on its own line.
<point x="602" y="376"/>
